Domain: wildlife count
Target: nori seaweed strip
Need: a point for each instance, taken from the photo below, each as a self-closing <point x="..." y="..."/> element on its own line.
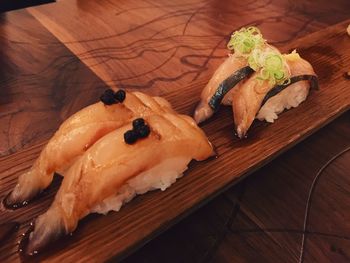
<point x="277" y="89"/>
<point x="227" y="85"/>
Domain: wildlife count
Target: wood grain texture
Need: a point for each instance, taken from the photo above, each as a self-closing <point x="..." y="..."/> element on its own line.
<point x="100" y="238"/>
<point x="162" y="46"/>
<point x="42" y="82"/>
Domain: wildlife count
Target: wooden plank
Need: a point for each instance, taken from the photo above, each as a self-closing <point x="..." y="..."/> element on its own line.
<point x="99" y="238"/>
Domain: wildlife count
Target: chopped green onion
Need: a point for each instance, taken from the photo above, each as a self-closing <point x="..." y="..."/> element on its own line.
<point x="270" y="63"/>
<point x="262" y="58"/>
<point x="245" y="40"/>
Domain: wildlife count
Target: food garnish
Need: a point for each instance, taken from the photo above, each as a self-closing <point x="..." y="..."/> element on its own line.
<point x="139" y="130"/>
<point x="245" y="40"/>
<point x="110" y="97"/>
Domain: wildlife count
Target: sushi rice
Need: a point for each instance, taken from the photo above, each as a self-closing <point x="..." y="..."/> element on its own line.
<point x="160" y="177"/>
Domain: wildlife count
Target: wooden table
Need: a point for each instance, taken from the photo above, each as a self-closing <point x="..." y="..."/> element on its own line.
<point x="297" y="208"/>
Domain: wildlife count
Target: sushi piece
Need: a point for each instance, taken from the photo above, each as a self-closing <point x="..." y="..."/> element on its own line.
<point x="281" y="82"/>
<point x="257" y="80"/>
<point x="117" y="167"/>
<point x="78" y="133"/>
<point x="290" y="97"/>
<point x="230" y="72"/>
<point x="232" y="64"/>
<point x="270" y="69"/>
<point x="227" y="99"/>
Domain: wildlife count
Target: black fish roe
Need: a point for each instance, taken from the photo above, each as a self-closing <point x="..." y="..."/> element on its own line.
<point x="120" y="95"/>
<point x="143" y="131"/>
<point x="131" y="136"/>
<point x="138" y="123"/>
<point x="108" y="97"/>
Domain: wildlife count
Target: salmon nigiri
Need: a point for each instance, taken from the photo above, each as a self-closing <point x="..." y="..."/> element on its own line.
<point x="257" y="80"/>
<point x="294" y="94"/>
<point x="116" y="168"/>
<point x="78" y="133"/>
<point x="230" y="72"/>
<point x="281" y="83"/>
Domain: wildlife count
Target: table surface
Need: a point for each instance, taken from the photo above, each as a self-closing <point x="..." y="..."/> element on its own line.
<point x="297" y="208"/>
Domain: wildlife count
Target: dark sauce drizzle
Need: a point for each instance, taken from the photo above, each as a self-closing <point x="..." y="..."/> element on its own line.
<point x="9" y="206"/>
<point x="56" y="182"/>
<point x="23" y="243"/>
<point x="38" y="255"/>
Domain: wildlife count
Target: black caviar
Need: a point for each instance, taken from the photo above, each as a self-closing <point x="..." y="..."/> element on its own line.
<point x="139" y="130"/>
<point x="137" y="123"/>
<point x="110" y="97"/>
<point x="143" y="131"/>
<point x="131" y="136"/>
<point x="120" y="95"/>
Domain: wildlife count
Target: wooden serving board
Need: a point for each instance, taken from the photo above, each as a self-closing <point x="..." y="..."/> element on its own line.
<point x="99" y="238"/>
